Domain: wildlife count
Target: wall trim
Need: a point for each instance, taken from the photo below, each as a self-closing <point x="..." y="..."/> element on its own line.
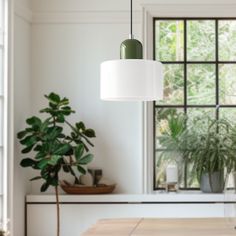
<point x="23" y="12"/>
<point x="85" y="17"/>
<point x="123" y="17"/>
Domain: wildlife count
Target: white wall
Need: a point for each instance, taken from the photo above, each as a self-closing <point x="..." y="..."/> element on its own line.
<point x="22" y="71"/>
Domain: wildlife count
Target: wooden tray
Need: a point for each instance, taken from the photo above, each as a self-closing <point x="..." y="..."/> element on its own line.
<point x="88" y="190"/>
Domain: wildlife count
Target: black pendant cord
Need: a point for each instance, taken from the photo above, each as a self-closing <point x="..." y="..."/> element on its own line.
<point x="131" y="18"/>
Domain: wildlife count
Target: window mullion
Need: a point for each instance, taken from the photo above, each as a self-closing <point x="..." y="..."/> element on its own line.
<point x="217" y="67"/>
<point x="185" y="93"/>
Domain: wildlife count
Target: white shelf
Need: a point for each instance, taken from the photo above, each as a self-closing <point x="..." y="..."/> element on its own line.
<point x="189" y="197"/>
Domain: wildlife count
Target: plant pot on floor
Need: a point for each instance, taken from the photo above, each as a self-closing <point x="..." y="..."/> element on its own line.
<point x="216" y="185"/>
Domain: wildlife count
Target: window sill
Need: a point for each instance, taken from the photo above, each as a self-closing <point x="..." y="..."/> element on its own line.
<point x="155" y="198"/>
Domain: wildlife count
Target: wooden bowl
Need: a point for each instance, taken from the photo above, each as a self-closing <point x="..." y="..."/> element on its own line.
<point x="88" y="189"/>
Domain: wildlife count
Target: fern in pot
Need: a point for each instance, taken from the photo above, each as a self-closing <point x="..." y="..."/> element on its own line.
<point x="209" y="149"/>
<point x="51" y="149"/>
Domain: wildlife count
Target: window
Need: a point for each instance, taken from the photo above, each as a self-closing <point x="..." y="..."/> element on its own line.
<point x="199" y="58"/>
<point x="3" y="112"/>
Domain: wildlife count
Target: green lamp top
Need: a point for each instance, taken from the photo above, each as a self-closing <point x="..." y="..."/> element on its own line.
<point x="131" y="49"/>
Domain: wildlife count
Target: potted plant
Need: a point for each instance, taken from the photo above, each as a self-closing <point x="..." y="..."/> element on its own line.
<point x="55" y="145"/>
<point x="209" y="148"/>
<point x="205" y="143"/>
<point x="172" y="126"/>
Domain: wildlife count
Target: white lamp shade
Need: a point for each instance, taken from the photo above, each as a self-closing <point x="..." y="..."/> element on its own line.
<point x="131" y="80"/>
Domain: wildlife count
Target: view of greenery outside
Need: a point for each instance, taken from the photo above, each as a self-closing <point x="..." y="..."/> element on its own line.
<point x="199" y="59"/>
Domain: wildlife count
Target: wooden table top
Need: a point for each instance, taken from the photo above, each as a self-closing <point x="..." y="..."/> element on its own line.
<point x="164" y="227"/>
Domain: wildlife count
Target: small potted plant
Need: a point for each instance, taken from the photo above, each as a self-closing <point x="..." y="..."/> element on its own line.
<point x="209" y="148"/>
<point x="55" y="145"/>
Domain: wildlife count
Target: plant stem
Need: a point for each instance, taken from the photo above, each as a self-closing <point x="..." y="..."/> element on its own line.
<point x="58" y="211"/>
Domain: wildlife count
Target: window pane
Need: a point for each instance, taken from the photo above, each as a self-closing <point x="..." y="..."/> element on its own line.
<point x="201" y="84"/>
<point x="228" y="113"/>
<point x="194" y="113"/>
<point x="161" y="121"/>
<point x="169" y="40"/>
<point x="200" y="40"/>
<point x="173" y="84"/>
<point x="227" y="40"/>
<point x="163" y="158"/>
<point x="227" y="76"/>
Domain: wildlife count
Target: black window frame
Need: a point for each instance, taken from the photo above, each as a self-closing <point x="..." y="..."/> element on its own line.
<point x="185" y="62"/>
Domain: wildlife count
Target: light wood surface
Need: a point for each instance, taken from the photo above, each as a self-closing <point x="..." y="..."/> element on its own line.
<point x="163" y="227"/>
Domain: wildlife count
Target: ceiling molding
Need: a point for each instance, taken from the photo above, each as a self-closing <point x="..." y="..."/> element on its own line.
<point x="191" y="10"/>
<point x="123" y="17"/>
<point x="85" y="17"/>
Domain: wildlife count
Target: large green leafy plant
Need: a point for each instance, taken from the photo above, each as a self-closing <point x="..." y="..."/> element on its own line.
<point x="210" y="146"/>
<point x="55" y="145"/>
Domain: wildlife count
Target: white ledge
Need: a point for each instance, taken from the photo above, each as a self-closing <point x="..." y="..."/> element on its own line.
<point x="191" y="197"/>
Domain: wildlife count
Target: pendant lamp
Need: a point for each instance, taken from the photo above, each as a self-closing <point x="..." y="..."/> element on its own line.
<point x="131" y="78"/>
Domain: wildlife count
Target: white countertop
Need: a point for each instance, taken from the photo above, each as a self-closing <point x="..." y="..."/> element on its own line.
<point x="182" y="197"/>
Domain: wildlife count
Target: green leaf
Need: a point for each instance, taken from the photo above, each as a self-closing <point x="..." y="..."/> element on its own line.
<point x="54" y="132"/>
<point x="61" y="136"/>
<point x="60" y="118"/>
<point x="43" y="163"/>
<point x="36" y="178"/>
<point x="27" y="149"/>
<point x="90" y="133"/>
<point x="44" y="187"/>
<point x="63" y="149"/>
<point x="34" y="121"/>
<point x="53" y="106"/>
<point x="53" y="181"/>
<point x="29" y="140"/>
<point x="46" y="110"/>
<point x="44" y="173"/>
<point x="54" y="159"/>
<point x="27" y="162"/>
<point x="86" y="159"/>
<point x="79" y="150"/>
<point x="40" y="155"/>
<point x="80" y="126"/>
<point x="66" y="108"/>
<point x="64" y="101"/>
<point x="22" y="134"/>
<point x="38" y="148"/>
<point x="53" y="98"/>
<point x="81" y="170"/>
<point x="45" y="124"/>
